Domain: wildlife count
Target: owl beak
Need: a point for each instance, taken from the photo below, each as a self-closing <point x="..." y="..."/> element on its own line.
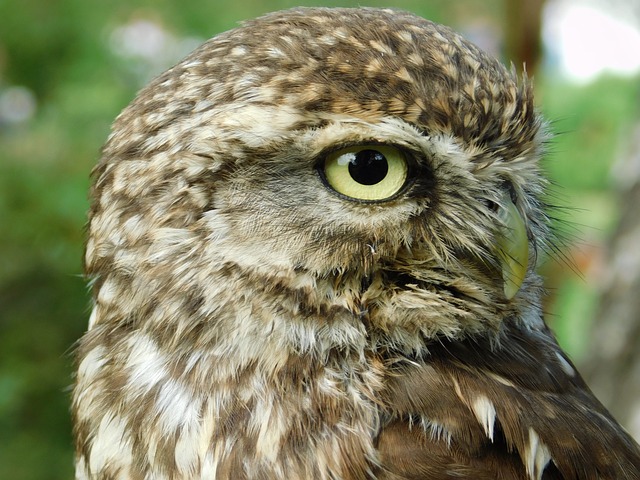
<point x="513" y="248"/>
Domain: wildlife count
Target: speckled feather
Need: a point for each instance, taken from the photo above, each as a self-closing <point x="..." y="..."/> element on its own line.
<point x="250" y="323"/>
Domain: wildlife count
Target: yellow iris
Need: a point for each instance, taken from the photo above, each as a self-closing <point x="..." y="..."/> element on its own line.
<point x="366" y="172"/>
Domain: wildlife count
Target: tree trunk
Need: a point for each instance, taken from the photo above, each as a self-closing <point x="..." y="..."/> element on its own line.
<point x="612" y="366"/>
<point x="522" y="33"/>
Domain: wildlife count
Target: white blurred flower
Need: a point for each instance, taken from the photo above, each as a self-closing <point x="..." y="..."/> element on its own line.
<point x="17" y="105"/>
<point x="140" y="38"/>
<point x="151" y="47"/>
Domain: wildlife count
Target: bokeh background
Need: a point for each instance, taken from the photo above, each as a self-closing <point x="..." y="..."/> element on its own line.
<point x="67" y="67"/>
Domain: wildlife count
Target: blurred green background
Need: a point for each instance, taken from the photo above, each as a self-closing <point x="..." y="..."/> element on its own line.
<point x="67" y="67"/>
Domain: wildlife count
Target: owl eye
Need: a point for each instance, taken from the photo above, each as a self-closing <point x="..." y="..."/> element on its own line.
<point x="366" y="172"/>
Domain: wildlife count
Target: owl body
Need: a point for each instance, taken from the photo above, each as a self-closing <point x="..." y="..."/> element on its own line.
<point x="312" y="249"/>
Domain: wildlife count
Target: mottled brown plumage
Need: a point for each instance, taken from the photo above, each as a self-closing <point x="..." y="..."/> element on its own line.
<point x="253" y="318"/>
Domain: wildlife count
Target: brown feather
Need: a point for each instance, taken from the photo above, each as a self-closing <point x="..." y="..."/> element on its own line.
<point x="529" y="388"/>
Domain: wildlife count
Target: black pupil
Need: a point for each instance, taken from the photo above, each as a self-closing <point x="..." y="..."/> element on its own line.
<point x="368" y="167"/>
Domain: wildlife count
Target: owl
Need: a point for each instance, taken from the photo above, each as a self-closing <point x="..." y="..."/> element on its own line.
<point x="312" y="249"/>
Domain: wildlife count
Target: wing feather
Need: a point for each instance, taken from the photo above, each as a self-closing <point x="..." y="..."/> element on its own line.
<point x="517" y="409"/>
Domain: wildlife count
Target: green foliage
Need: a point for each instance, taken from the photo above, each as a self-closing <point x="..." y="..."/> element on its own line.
<point x="61" y="51"/>
<point x="590" y="123"/>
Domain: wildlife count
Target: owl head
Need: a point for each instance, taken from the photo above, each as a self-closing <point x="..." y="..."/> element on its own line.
<point x="360" y="160"/>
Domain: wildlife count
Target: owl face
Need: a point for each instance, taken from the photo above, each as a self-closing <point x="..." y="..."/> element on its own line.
<point x="360" y="164"/>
